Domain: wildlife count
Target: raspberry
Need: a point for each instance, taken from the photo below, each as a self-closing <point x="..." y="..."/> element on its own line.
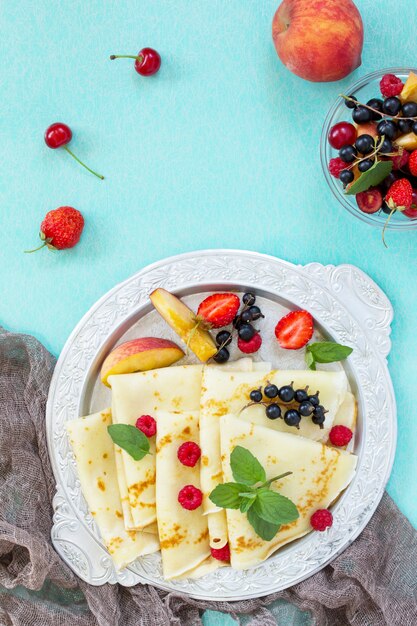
<point x="340" y="436"/>
<point x="321" y="519"/>
<point x="253" y="345"/>
<point x="400" y="160"/>
<point x="147" y="425"/>
<point x="390" y="85"/>
<point x="190" y="497"/>
<point x="221" y="554"/>
<point x="189" y="453"/>
<point x="412" y="163"/>
<point x="336" y="165"/>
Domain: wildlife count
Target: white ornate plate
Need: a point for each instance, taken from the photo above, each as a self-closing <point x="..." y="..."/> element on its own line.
<point x="347" y="306"/>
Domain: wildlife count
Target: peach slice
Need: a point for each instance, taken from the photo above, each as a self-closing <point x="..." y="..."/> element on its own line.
<point x="408" y="141"/>
<point x="367" y="129"/>
<point x="182" y="320"/>
<point x="409" y="91"/>
<point x="139" y="355"/>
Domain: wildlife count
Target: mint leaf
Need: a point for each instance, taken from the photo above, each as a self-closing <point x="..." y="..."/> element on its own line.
<point x="370" y="178"/>
<point x="264" y="529"/>
<point x="327" y="352"/>
<point x="227" y="495"/>
<point x="131" y="439"/>
<point x="274" y="508"/>
<point x="310" y="360"/>
<point x="245" y="467"/>
<point x="246" y="504"/>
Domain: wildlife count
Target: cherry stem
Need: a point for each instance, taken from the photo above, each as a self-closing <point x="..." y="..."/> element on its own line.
<point x="126" y="56"/>
<point x="83" y="164"/>
<point x="36" y="249"/>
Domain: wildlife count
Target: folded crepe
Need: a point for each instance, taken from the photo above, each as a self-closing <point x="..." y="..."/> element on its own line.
<point x="228" y="392"/>
<point x="144" y="393"/>
<point x="96" y="465"/>
<point x="320" y="473"/>
<point x="183" y="533"/>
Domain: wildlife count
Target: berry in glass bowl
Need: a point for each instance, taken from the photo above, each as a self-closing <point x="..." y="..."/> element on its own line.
<point x="369" y="142"/>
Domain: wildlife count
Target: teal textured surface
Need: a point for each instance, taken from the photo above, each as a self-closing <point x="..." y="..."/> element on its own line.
<point x="219" y="149"/>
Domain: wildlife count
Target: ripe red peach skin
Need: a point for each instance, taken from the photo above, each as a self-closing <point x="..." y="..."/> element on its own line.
<point x="146" y="353"/>
<point x="318" y="40"/>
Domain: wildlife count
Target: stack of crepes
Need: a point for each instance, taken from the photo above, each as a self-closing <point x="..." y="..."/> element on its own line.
<point x="135" y="503"/>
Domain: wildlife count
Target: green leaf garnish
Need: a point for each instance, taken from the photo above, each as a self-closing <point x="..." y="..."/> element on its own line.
<point x="264" y="529"/>
<point x="227" y="495"/>
<point x="131" y="439"/>
<point x="265" y="509"/>
<point x="245" y="467"/>
<point x="370" y="178"/>
<point x="275" y="508"/>
<point x="326" y="352"/>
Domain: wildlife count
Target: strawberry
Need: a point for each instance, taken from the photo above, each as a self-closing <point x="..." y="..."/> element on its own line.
<point x="400" y="195"/>
<point x="61" y="228"/>
<point x="219" y="309"/>
<point x="412" y="163"/>
<point x="294" y="330"/>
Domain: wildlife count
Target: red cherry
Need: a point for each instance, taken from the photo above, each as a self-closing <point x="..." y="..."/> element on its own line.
<point x="412" y="211"/>
<point x="369" y="201"/>
<point x="342" y="134"/>
<point x="147" y="61"/>
<point x="57" y="135"/>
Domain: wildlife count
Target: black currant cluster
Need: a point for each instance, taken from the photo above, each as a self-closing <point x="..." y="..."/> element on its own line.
<point x="297" y="402"/>
<point x="376" y="110"/>
<point x="250" y="312"/>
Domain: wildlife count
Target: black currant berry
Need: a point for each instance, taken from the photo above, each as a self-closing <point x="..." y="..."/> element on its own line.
<point x="246" y="332"/>
<point x="273" y="411"/>
<point x="391" y="106"/>
<point x="346" y="177"/>
<point x="255" y="312"/>
<point x="223" y="338"/>
<point x="249" y="298"/>
<point x="286" y="394"/>
<point x="365" y="144"/>
<point x="222" y="355"/>
<point x="271" y="391"/>
<point x="348" y="153"/>
<point x="256" y="395"/>
<point x="375" y="103"/>
<point x="300" y="395"/>
<point x="361" y="115"/>
<point x="292" y="418"/>
<point x="306" y="408"/>
<point x="410" y="109"/>
<point x="365" y="165"/>
<point x="387" y="128"/>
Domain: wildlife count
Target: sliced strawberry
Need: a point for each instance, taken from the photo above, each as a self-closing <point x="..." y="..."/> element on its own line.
<point x="294" y="330"/>
<point x="219" y="309"/>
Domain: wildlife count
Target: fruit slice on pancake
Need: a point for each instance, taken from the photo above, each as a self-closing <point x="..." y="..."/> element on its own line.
<point x="144" y="393"/>
<point x="96" y="465"/>
<point x="228" y="392"/>
<point x="183" y="531"/>
<point x="319" y="474"/>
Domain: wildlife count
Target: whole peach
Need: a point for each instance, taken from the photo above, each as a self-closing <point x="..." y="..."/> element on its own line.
<point x="319" y="40"/>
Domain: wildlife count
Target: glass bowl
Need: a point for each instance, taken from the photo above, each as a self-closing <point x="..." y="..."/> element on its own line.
<point x="364" y="89"/>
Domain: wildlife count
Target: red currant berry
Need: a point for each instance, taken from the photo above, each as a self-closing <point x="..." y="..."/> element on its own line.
<point x="342" y="134"/>
<point x="57" y="135"/>
<point x="147" y="61"/>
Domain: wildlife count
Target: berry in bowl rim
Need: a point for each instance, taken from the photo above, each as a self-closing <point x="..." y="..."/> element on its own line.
<point x="373" y="219"/>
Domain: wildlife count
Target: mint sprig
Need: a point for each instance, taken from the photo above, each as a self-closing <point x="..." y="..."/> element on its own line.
<point x="131" y="439"/>
<point x="266" y="510"/>
<point x="326" y="352"/>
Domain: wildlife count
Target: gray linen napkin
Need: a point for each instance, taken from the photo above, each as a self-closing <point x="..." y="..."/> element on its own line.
<point x="373" y="583"/>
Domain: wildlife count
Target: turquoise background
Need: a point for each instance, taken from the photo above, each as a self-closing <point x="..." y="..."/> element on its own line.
<point x="220" y="149"/>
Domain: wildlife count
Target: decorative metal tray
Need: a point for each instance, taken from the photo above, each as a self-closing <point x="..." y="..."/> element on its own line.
<point x="347" y="306"/>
